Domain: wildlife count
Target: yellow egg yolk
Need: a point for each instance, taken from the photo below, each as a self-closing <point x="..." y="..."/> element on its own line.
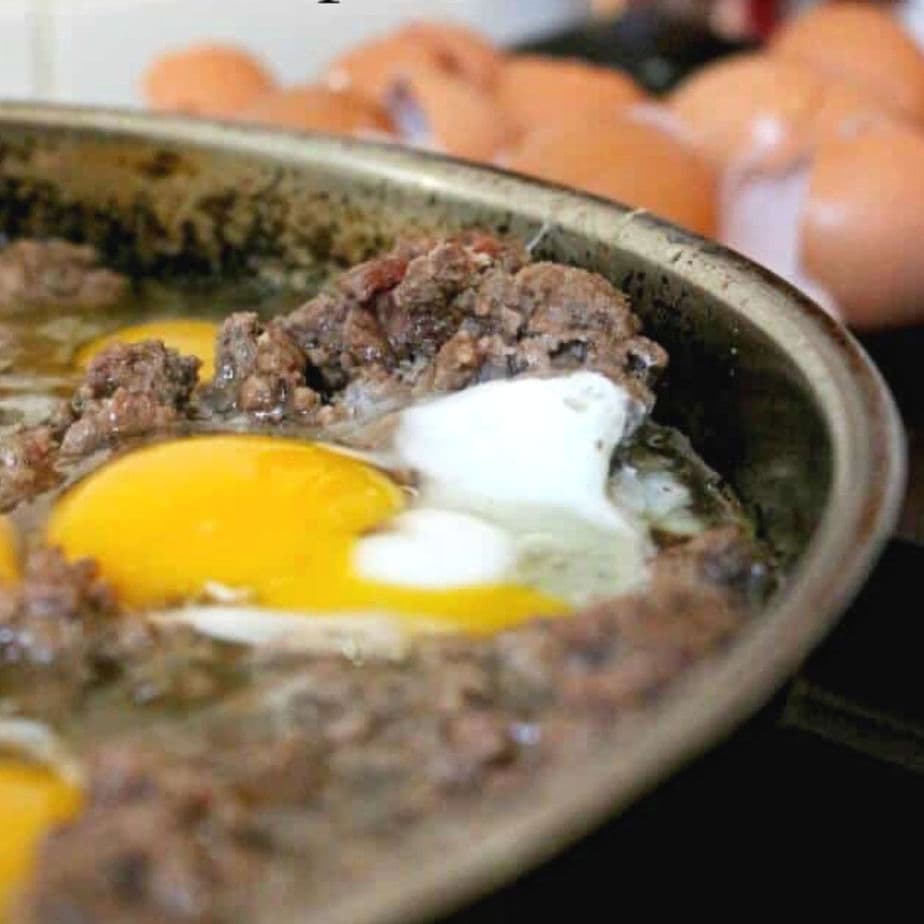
<point x="194" y="338"/>
<point x="274" y="519"/>
<point x="32" y="800"/>
<point x="9" y="560"/>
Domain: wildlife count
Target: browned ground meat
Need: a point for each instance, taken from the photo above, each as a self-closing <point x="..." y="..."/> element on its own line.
<point x="432" y="316"/>
<point x="130" y="390"/>
<point x="183" y="835"/>
<point x="26" y="465"/>
<point x="61" y="633"/>
<point x="56" y="273"/>
<point x="260" y="369"/>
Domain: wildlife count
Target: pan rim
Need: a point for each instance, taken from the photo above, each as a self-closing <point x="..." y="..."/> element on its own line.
<point x="862" y="508"/>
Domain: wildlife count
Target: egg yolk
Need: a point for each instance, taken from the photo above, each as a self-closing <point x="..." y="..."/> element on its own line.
<point x="9" y="561"/>
<point x="276" y="520"/>
<point x="194" y="338"/>
<point x="32" y="800"/>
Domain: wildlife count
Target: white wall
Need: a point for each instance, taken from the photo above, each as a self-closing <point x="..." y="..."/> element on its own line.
<point x="93" y="51"/>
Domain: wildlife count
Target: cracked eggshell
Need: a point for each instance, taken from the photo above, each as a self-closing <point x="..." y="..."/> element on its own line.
<point x="312" y="108"/>
<point x="206" y="80"/>
<point x="863" y="222"/>
<point x="639" y="158"/>
<point x="537" y="91"/>
<point x="862" y="44"/>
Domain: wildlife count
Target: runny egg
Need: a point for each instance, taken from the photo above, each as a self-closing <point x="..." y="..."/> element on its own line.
<point x="186" y="335"/>
<point x="506" y="515"/>
<point x="33" y="799"/>
<point x="9" y="557"/>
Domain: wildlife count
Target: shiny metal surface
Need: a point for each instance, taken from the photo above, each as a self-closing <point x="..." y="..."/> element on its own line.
<point x="774" y="394"/>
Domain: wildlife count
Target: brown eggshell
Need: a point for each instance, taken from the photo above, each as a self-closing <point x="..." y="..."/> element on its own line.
<point x="442" y="112"/>
<point x="750" y="108"/>
<point x="861" y="43"/>
<point x="206" y="80"/>
<point x="537" y="91"/>
<point x="462" y="51"/>
<point x="863" y="223"/>
<point x="372" y="69"/>
<point x="318" y="109"/>
<point x="631" y="159"/>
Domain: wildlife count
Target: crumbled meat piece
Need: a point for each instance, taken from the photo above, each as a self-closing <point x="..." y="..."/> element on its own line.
<point x="26" y="465"/>
<point x="129" y="390"/>
<point x="56" y="273"/>
<point x="60" y="636"/>
<point x="50" y="617"/>
<point x="261" y="370"/>
<point x="439" y="315"/>
<point x="169" y="844"/>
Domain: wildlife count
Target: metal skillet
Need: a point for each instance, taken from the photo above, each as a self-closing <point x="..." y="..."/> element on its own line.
<point x="776" y="396"/>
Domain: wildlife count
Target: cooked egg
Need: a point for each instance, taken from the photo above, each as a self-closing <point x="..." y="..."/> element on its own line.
<point x="32" y="800"/>
<point x="206" y="80"/>
<point x="638" y="158"/>
<point x="9" y="555"/>
<point x="862" y="222"/>
<point x="275" y="520"/>
<point x="319" y="109"/>
<point x="374" y="68"/>
<point x="188" y="336"/>
<point x="537" y="92"/>
<point x="860" y="43"/>
<point x="443" y="113"/>
<point x="509" y="516"/>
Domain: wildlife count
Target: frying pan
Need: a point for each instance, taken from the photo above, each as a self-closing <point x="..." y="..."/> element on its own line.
<point x="775" y="395"/>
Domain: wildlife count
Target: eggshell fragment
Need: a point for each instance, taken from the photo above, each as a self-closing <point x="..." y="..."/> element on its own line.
<point x="634" y="159"/>
<point x="446" y="114"/>
<point x="372" y="70"/>
<point x="319" y="109"/>
<point x="860" y="43"/>
<point x="749" y="107"/>
<point x="206" y="80"/>
<point x="863" y="224"/>
<point x="537" y="91"/>
<point x="462" y="51"/>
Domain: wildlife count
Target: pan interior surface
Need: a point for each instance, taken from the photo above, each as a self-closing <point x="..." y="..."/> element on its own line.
<point x="777" y="398"/>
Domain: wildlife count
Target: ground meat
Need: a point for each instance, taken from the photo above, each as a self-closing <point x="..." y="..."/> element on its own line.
<point x="261" y="370"/>
<point x="129" y="390"/>
<point x="354" y="756"/>
<point x="442" y="315"/>
<point x="49" y="620"/>
<point x="56" y="273"/>
<point x="63" y="634"/>
<point x="26" y="465"/>
<point x="169" y="844"/>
